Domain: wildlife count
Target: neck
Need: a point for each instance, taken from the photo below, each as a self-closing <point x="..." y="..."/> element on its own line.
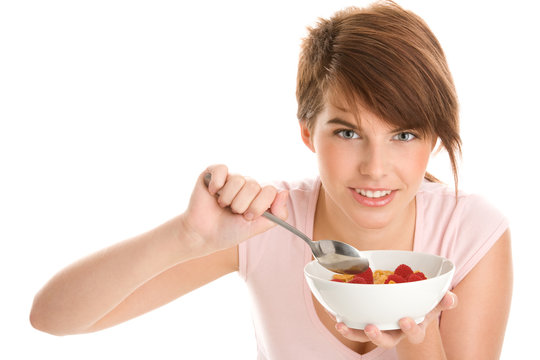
<point x="331" y="223"/>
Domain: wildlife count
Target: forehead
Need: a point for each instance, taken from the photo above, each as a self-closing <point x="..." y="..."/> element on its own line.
<point x="359" y="116"/>
<point x="353" y="105"/>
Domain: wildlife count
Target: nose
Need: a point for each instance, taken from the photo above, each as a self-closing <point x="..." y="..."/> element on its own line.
<point x="373" y="161"/>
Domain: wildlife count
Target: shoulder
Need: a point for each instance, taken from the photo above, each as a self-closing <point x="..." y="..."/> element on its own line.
<point x="462" y="228"/>
<point x="302" y="193"/>
<point x="441" y="201"/>
<point x="296" y="186"/>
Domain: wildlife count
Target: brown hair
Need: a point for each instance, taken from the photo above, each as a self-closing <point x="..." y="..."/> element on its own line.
<point x="387" y="59"/>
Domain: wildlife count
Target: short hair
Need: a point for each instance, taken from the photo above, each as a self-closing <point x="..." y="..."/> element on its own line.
<point x="386" y="59"/>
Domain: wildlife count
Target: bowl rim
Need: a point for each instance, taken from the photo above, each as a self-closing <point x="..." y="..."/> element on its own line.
<point x="444" y="260"/>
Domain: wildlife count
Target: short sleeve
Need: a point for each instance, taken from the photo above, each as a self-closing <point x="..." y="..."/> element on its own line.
<point x="480" y="226"/>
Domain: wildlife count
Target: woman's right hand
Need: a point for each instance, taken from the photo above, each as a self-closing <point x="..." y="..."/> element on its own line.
<point x="229" y="210"/>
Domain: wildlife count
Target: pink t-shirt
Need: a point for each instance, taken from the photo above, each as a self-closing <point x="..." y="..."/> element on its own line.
<point x="272" y="263"/>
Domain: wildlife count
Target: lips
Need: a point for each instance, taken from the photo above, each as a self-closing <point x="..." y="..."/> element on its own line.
<point x="373" y="194"/>
<point x="373" y="197"/>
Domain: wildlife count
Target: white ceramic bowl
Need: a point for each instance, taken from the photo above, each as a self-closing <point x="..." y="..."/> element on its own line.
<point x="357" y="305"/>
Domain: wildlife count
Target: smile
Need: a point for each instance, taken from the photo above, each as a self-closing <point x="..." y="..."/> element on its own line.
<point x="373" y="198"/>
<point x="373" y="194"/>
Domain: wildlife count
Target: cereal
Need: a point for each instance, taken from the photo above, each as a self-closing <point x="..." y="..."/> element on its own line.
<point x="379" y="276"/>
<point x="402" y="273"/>
<point x="342" y="277"/>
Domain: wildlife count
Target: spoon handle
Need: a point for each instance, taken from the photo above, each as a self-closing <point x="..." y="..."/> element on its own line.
<point x="289" y="227"/>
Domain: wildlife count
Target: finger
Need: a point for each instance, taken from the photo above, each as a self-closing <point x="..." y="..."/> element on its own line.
<point x="261" y="203"/>
<point x="218" y="177"/>
<point x="245" y="196"/>
<point x="385" y="339"/>
<point x="230" y="190"/>
<point x="279" y="206"/>
<point x="449" y="301"/>
<point x="415" y="333"/>
<point x="351" y="334"/>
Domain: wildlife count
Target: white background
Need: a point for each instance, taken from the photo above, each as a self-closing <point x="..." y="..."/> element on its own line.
<point x="110" y="109"/>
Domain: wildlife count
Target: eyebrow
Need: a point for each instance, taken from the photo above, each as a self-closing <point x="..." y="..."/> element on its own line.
<point x="338" y="121"/>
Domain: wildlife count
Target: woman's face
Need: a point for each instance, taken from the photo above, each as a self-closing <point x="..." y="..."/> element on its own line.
<point x="369" y="170"/>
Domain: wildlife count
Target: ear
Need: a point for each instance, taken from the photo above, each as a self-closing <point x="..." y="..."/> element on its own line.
<point x="306" y="135"/>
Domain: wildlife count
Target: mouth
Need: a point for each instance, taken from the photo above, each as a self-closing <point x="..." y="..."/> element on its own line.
<point x="373" y="197"/>
<point x="377" y="194"/>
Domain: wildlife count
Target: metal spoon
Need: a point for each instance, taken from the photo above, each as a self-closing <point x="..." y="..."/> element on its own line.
<point x="334" y="255"/>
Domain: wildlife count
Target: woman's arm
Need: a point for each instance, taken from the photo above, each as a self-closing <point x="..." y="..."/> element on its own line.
<point x="475" y="329"/>
<point x="170" y="285"/>
<point x="124" y="280"/>
<point x="147" y="271"/>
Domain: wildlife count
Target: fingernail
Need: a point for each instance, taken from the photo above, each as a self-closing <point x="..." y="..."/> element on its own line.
<point x="248" y="216"/>
<point x="453" y="304"/>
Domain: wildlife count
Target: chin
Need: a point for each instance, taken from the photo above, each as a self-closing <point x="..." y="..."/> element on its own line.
<point x="372" y="221"/>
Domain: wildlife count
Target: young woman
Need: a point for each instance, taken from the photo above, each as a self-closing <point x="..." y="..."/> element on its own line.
<point x="375" y="96"/>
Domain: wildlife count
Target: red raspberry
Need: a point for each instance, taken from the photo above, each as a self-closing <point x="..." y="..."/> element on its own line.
<point x="414" y="277"/>
<point x="358" y="280"/>
<point x="395" y="278"/>
<point x="367" y="275"/>
<point x="421" y="274"/>
<point x="403" y="270"/>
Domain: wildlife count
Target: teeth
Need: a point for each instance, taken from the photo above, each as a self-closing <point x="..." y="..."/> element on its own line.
<point x="373" y="194"/>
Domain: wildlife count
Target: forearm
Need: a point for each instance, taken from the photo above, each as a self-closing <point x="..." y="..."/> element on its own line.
<point x="87" y="290"/>
<point x="430" y="349"/>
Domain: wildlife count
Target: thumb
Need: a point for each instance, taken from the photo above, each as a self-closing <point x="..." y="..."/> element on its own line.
<point x="279" y="206"/>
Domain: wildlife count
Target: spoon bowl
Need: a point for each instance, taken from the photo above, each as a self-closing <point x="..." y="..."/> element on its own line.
<point x="334" y="255"/>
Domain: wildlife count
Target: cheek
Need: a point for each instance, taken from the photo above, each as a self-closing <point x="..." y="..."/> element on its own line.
<point x="415" y="168"/>
<point x="420" y="162"/>
<point x="332" y="159"/>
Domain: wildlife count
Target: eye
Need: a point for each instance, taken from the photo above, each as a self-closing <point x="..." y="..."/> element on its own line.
<point x="404" y="136"/>
<point x="347" y="134"/>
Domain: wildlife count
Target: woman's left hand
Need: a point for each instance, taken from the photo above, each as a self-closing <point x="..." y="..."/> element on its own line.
<point x="414" y="333"/>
